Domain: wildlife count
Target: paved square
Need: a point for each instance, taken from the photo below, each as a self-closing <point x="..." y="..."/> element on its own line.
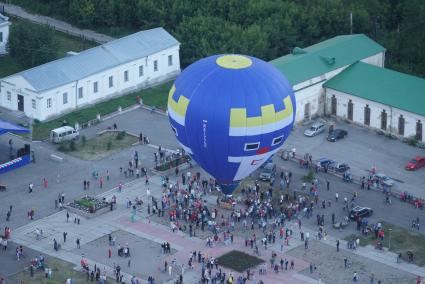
<point x="145" y="255"/>
<point x="330" y="266"/>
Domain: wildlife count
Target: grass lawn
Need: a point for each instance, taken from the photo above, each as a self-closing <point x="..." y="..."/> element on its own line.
<point x="99" y="147"/>
<point x="156" y="96"/>
<point x="402" y="240"/>
<point x="9" y="66"/>
<point x="61" y="270"/>
<point x="238" y="260"/>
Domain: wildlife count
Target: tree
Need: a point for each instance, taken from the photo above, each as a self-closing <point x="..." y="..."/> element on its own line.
<point x="32" y="45"/>
<point x="82" y="12"/>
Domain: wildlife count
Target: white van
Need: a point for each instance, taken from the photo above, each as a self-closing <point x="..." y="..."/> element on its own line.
<point x="63" y="133"/>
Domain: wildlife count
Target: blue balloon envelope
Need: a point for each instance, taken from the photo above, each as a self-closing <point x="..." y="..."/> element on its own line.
<point x="231" y="113"/>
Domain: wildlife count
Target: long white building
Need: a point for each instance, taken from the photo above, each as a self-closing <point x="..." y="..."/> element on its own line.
<point x="4" y="33"/>
<point x="111" y="69"/>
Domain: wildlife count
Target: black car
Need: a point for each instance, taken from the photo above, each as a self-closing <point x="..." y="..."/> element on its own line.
<point x="337" y="167"/>
<point x="360" y="212"/>
<point x="336" y="135"/>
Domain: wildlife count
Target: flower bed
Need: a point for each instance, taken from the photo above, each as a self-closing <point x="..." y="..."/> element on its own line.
<point x="88" y="204"/>
<point x="239" y="261"/>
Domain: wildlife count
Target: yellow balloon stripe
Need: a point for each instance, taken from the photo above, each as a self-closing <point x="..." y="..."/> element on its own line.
<point x="238" y="116"/>
<point x="179" y="107"/>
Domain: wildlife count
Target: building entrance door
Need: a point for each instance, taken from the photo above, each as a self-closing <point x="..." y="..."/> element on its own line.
<point x="307" y="111"/>
<point x="419" y="130"/>
<point x="333" y="105"/>
<point x="21" y="102"/>
<point x="350" y="110"/>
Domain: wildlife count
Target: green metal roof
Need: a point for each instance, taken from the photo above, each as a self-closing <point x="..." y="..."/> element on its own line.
<point x="381" y="85"/>
<point x="306" y="63"/>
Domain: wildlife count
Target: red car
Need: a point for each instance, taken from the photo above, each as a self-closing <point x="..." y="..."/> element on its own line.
<point x="415" y="163"/>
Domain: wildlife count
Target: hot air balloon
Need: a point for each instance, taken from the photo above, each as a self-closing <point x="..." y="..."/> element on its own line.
<point x="231" y="113"/>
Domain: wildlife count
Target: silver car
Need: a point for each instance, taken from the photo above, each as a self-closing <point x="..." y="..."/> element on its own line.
<point x="382" y="180"/>
<point x="315" y="129"/>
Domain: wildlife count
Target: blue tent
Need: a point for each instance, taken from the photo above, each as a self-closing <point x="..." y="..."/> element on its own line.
<point x="6" y="126"/>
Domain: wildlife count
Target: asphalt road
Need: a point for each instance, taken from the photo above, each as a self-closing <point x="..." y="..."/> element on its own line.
<point x="362" y="149"/>
<point x="398" y="213"/>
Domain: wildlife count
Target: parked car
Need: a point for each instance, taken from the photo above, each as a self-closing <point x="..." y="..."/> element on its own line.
<point x="325" y="162"/>
<point x="337" y="167"/>
<point x="415" y="163"/>
<point x="268" y="173"/>
<point x="315" y="129"/>
<point x="361" y="212"/>
<point x="382" y="179"/>
<point x="336" y="135"/>
<point x="63" y="133"/>
<point x="269" y="160"/>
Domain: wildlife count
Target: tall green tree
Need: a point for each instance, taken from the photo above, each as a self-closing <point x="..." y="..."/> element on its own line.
<point x="32" y="45"/>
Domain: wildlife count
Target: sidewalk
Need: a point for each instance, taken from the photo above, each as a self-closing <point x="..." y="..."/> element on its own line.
<point x="19" y="12"/>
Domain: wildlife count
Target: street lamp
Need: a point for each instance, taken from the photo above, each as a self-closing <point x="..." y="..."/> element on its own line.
<point x="389" y="239"/>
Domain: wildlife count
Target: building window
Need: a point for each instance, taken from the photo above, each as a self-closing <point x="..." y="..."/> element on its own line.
<point x="401" y="125"/>
<point x="140" y="70"/>
<point x="9" y="96"/>
<point x="384" y="120"/>
<point x="155" y="65"/>
<point x="367" y="115"/>
<point x="419" y="130"/>
<point x="126" y="76"/>
<point x="111" y="81"/>
<point x="350" y="110"/>
<point x="65" y="98"/>
<point x="80" y="92"/>
<point x="33" y="103"/>
<point x="49" y="103"/>
<point x="1" y="37"/>
<point x="95" y="87"/>
<point x="170" y="60"/>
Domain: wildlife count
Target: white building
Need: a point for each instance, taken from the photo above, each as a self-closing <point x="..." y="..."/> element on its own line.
<point x="307" y="69"/>
<point x="4" y="33"/>
<point x="114" y="68"/>
<point x="378" y="98"/>
<point x="345" y="77"/>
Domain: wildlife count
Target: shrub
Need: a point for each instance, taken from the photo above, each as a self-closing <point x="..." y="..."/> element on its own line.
<point x="63" y="146"/>
<point x="109" y="145"/>
<point x="421" y="145"/>
<point x="72" y="146"/>
<point x="309" y="177"/>
<point x="412" y="141"/>
<point x="120" y="135"/>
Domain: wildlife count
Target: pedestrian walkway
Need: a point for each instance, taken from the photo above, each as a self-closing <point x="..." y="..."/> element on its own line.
<point x="62" y="26"/>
